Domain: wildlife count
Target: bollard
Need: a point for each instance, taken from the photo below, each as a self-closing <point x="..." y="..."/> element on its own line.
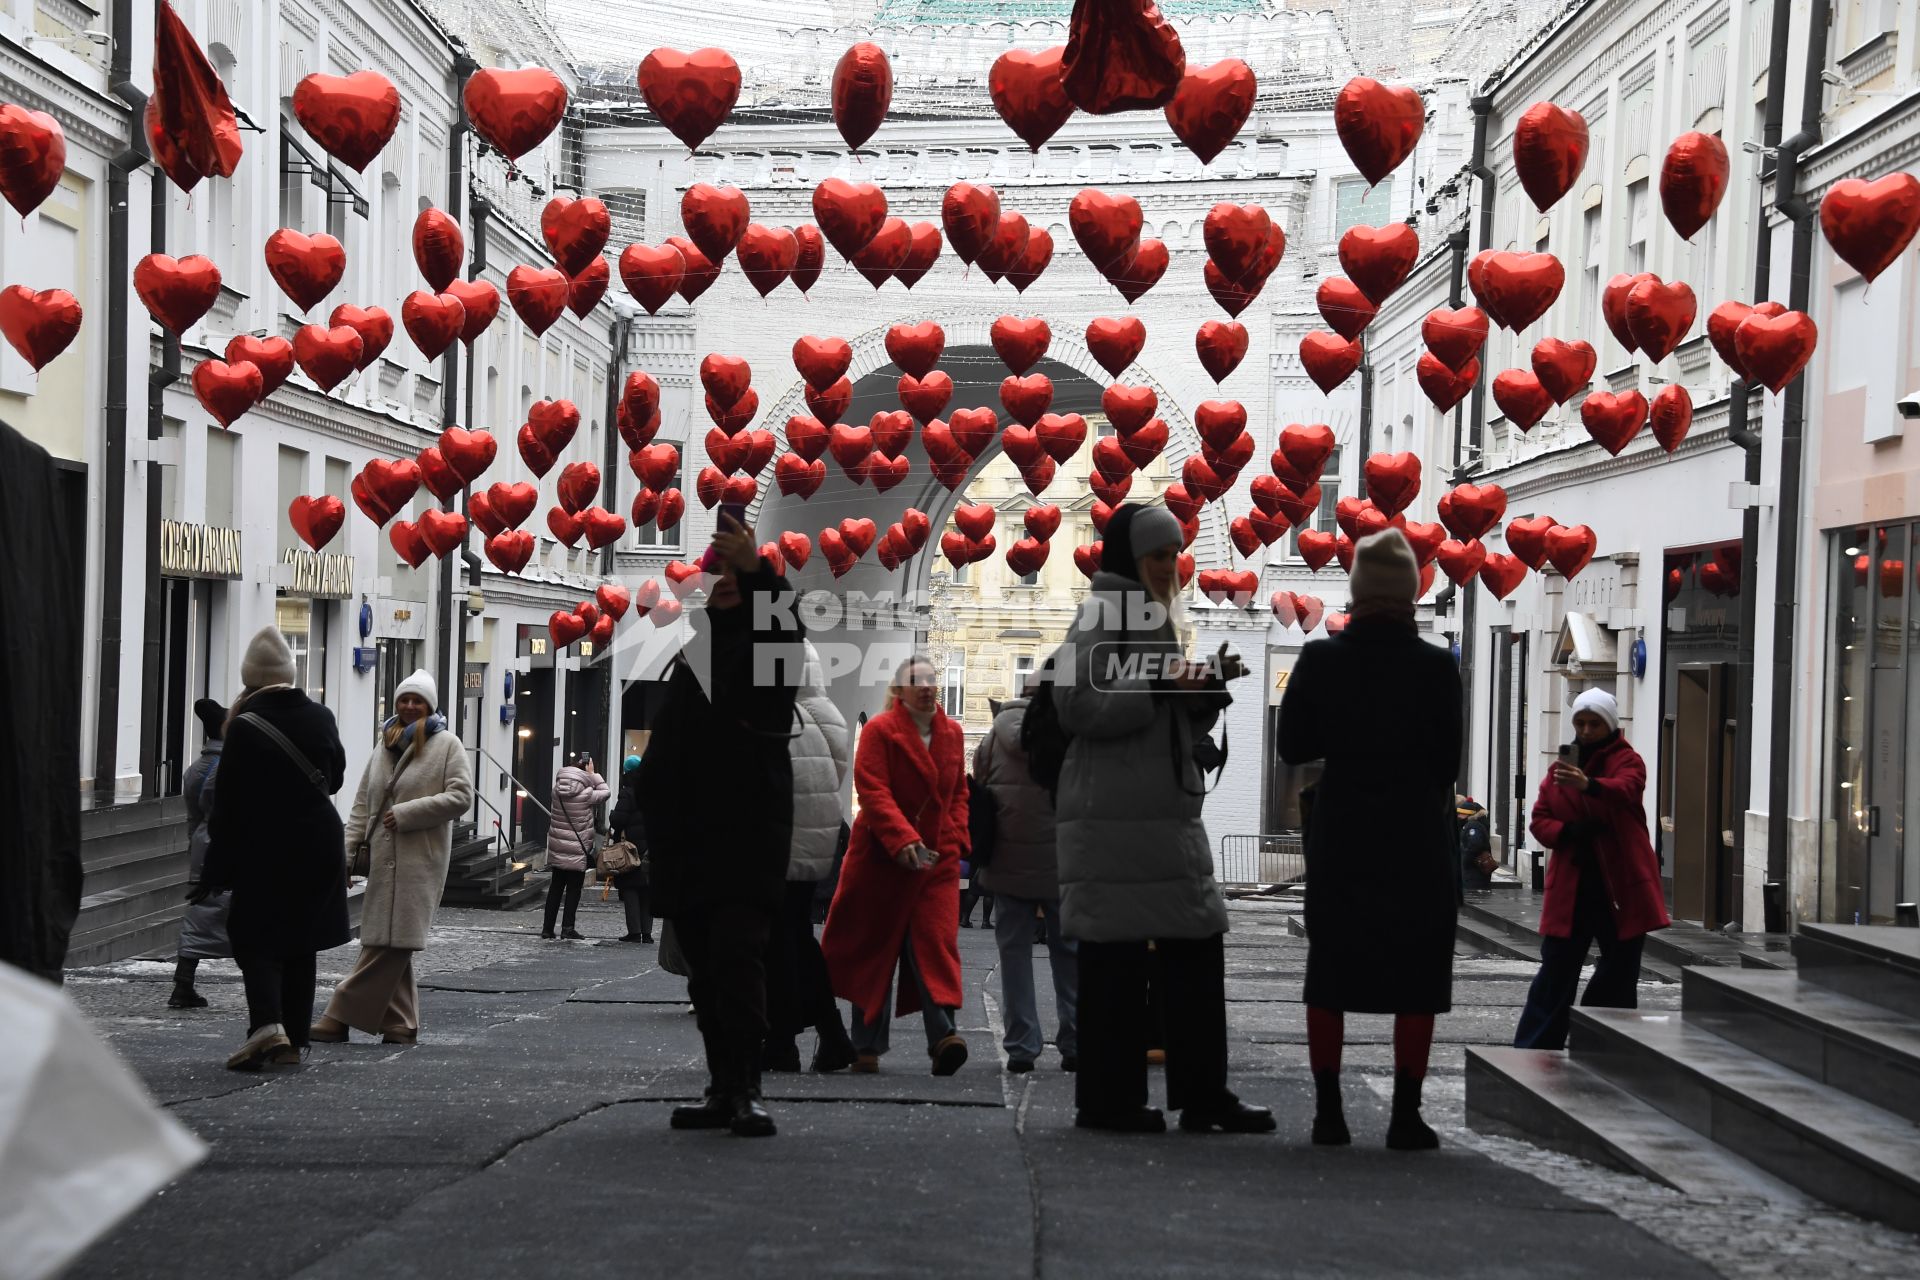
<point x="1539" y="857"/>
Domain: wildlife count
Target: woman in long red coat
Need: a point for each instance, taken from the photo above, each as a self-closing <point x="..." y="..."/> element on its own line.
<point x="1603" y="878"/>
<point x="898" y="901"/>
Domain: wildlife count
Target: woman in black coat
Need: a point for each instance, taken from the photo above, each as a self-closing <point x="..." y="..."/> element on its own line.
<point x="275" y="839"/>
<point x="625" y="824"/>
<point x="716" y="795"/>
<point x="1382" y="707"/>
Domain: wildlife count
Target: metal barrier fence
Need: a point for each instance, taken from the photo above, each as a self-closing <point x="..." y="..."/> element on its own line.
<point x="1278" y="858"/>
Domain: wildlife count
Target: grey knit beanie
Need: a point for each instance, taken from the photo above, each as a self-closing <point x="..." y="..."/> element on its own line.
<point x="268" y="661"/>
<point x="1153" y="529"/>
<point x="1384" y="571"/>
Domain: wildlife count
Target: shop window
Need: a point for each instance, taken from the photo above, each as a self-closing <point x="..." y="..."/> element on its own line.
<point x="304" y="623"/>
<point x="953" y="689"/>
<point x="1357" y="205"/>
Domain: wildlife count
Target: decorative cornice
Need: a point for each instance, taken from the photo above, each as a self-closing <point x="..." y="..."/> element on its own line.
<point x="86" y="115"/>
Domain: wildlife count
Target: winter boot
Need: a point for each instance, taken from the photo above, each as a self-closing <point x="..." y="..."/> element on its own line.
<point x="184" y="996"/>
<point x="750" y="1119"/>
<point x="1406" y="1131"/>
<point x="1329" y="1122"/>
<point x="833" y="1051"/>
<point x="714" y="1113"/>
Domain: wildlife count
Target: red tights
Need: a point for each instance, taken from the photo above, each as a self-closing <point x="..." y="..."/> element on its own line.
<point x="1412" y="1040"/>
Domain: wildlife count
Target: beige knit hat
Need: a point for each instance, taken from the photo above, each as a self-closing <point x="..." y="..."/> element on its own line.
<point x="1384" y="571"/>
<point x="268" y="661"/>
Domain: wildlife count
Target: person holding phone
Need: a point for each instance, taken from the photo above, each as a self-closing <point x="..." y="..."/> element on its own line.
<point x="1380" y="705"/>
<point x="577" y="788"/>
<point x="898" y="901"/>
<point x="1135" y="864"/>
<point x="1603" y="877"/>
<point x="716" y="794"/>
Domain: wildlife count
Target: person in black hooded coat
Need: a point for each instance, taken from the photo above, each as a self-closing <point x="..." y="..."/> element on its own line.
<point x="716" y="795"/>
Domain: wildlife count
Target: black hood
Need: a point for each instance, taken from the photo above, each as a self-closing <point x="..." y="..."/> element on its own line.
<point x="1116" y="547"/>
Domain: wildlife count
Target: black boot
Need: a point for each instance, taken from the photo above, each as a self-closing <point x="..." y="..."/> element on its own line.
<point x="1406" y="1131"/>
<point x="834" y="1049"/>
<point x="184" y="996"/>
<point x="1230" y="1116"/>
<point x="750" y="1119"/>
<point x="715" y="1113"/>
<point x="1329" y="1122"/>
<point x="779" y="1053"/>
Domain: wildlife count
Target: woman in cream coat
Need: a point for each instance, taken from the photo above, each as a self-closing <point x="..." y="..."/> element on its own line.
<point x="414" y="787"/>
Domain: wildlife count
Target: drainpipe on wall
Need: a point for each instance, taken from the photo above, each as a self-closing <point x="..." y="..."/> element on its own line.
<point x="464" y="65"/>
<point x="1788" y="200"/>
<point x="159" y="378"/>
<point x="1482" y="106"/>
<point x="113" y="455"/>
<point x="616" y="364"/>
<point x="469" y="562"/>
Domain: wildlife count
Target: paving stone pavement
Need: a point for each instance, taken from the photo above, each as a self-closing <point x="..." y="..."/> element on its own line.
<point x="526" y="1135"/>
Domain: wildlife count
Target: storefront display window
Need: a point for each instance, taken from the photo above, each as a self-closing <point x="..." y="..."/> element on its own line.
<point x="304" y="623"/>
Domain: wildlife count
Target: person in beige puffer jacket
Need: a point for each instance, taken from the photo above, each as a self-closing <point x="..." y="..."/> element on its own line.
<point x="577" y="788"/>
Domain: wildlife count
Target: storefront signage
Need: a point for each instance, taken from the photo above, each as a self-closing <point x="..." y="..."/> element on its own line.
<point x="318" y="575"/>
<point x="401" y="620"/>
<point x="1597" y="590"/>
<point x="198" y="551"/>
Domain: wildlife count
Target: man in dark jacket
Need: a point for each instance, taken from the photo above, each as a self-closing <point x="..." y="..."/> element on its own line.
<point x="625" y="824"/>
<point x="716" y="793"/>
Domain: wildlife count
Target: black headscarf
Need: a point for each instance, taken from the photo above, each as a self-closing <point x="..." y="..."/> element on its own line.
<point x="1116" y="547"/>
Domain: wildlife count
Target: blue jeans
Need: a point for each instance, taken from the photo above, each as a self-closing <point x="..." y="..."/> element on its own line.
<point x="870" y="1036"/>
<point x="1616" y="975"/>
<point x="1013" y="929"/>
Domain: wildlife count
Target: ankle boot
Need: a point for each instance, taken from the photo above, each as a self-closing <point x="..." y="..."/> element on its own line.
<point x="1406" y="1131"/>
<point x="1329" y="1121"/>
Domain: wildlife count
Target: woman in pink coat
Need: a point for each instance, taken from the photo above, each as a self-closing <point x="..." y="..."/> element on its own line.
<point x="898" y="901"/>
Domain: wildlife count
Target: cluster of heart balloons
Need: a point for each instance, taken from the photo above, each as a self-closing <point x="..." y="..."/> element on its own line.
<point x="1206" y="110"/>
<point x="1720" y="574"/>
<point x="594" y="620"/>
<point x="39" y="323"/>
<point x="1244" y="247"/>
<point x="1108" y="229"/>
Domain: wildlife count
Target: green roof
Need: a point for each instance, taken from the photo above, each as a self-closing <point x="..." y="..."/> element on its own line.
<point x="906" y="12"/>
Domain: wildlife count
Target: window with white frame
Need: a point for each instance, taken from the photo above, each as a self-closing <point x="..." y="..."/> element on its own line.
<point x="1591" y="251"/>
<point x="1323" y="518"/>
<point x="1637" y="227"/>
<point x="1355" y="205"/>
<point x="1023" y="665"/>
<point x="649" y="534"/>
<point x="953" y="688"/>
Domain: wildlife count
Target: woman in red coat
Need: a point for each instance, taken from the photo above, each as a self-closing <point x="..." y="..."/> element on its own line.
<point x="1603" y="879"/>
<point x="898" y="900"/>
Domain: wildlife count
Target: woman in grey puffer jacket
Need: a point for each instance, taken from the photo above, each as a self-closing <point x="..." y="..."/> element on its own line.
<point x="576" y="790"/>
<point x="1135" y="866"/>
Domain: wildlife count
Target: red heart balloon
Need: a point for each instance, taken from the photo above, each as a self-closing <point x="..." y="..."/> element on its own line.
<point x="469" y="453"/>
<point x="1033" y="259"/>
<point x="565" y="525"/>
<point x="408" y="543"/>
<point x="438" y="248"/>
<point x="862" y="92"/>
<point x="1003" y="252"/>
<point x="970" y="213"/>
<point x="566" y="627"/>
<point x="1671" y="415"/>
<point x="1220" y="422"/>
<point x="974" y="429"/>
<point x="1424" y="538"/>
<point x="652" y="273"/>
<point x="585" y="290"/>
<point x="1460" y="561"/>
<point x="385" y="486"/>
<point x="1317" y="548"/>
<point x="1659" y="316"/>
<point x="327" y="356"/>
<point x="892" y="432"/>
<point x="1023" y="447"/>
<point x="796" y="548"/>
<point x="1210" y="106"/>
<point x="923" y="250"/>
<point x="1563" y="367"/>
<point x="1027" y="555"/>
<point x="1020" y="342"/>
<point x="177" y="293"/>
<point x="305" y="267"/>
<point x="1200" y="478"/>
<point x="821" y="361"/>
<point x="538" y="296"/>
<point x="807" y="437"/>
<point x="851" y="446"/>
<point x="917" y="526"/>
<point x="726" y="378"/>
<point x="1122" y="56"/>
<point x="576" y="231"/>
<point x="1042" y="521"/>
<point x="536" y="454"/>
<point x="798" y="477"/>
<point x="1527" y="539"/>
<point x="1613" y="306"/>
<point x="1026" y="90"/>
<point x="479" y="304"/>
<point x="656" y="465"/>
<point x="1038" y="474"/>
<point x="601" y="633"/>
<point x="579" y="482"/>
<point x="515" y="110"/>
<point x="858" y="534"/>
<point x="1722" y="322"/>
<point x="316" y="520"/>
<point x="351" y="117"/>
<point x="1128" y="408"/>
<point x="1569" y="550"/>
<point x="602" y="526"/>
<point x="1377" y="259"/>
<point x="1454" y="337"/>
<point x="1306" y="448"/>
<point x="1693" y="179"/>
<point x="974" y="522"/>
<point x="33" y="156"/>
<point x="555" y="421"/>
<point x="830" y="405"/>
<point x="1233" y="298"/>
<point x="1221" y="345"/>
<point x="1329" y="359"/>
<point x="1346" y="310"/>
<point x="925" y="397"/>
<point x="1393" y="481"/>
<point x="1140" y="270"/>
<point x="812" y="256"/>
<point x="849" y="213"/>
<point x="273" y="357"/>
<point x="1061" y="434"/>
<point x="1111" y="492"/>
<point x="1087" y="559"/>
<point x="1500" y="574"/>
<point x="1517" y="288"/>
<point x="373" y="324"/>
<point x="1027" y="398"/>
<point x="1549" y="151"/>
<point x="665" y="614"/>
<point x="1444" y="387"/>
<point x="1470" y="511"/>
<point x="432" y="321"/>
<point x="1869" y="224"/>
<point x="1378" y="125"/>
<point x="1613" y="420"/>
<point x="227" y="390"/>
<point x="512" y="503"/>
<point x="916" y="348"/>
<point x="443" y="531"/>
<point x="673" y="505"/>
<point x="1143" y="444"/>
<point x="439" y="478"/>
<point x="1271" y="526"/>
<point x="700" y="270"/>
<point x="1245" y="540"/>
<point x="715" y="218"/>
<point x="1774" y="349"/>
<point x="1107" y="227"/>
<point x="691" y="93"/>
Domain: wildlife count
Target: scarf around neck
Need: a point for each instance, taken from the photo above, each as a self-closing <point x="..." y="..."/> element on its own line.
<point x="397" y="736"/>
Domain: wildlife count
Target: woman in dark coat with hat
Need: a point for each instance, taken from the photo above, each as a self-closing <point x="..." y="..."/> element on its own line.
<point x="1382" y="707"/>
<point x="716" y="795"/>
<point x="203" y="929"/>
<point x="275" y="839"/>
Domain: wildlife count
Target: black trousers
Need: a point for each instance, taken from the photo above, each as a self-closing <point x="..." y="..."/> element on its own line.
<point x="799" y="992"/>
<point x="1115" y="1022"/>
<point x="726" y="948"/>
<point x="1616" y="975"/>
<point x="279" y="989"/>
<point x="567" y="883"/>
<point x="636" y="899"/>
<point x="972" y="895"/>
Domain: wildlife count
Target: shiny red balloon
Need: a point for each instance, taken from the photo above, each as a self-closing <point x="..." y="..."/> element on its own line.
<point x="1107" y="227"/>
<point x="305" y="267"/>
<point x="1522" y="397"/>
<point x="1236" y="238"/>
<point x="862" y="92"/>
<point x="1140" y="270"/>
<point x="651" y="274"/>
<point x="1221" y="346"/>
<point x="33" y="156"/>
<point x="1693" y="179"/>
<point x="515" y="111"/>
<point x="177" y="293"/>
<point x="1564" y="367"/>
<point x="1613" y="306"/>
<point x="1549" y="151"/>
<point x="576" y="231"/>
<point x="849" y="213"/>
<point x="970" y="213"/>
<point x="1517" y="288"/>
<point x="585" y="289"/>
<point x="1121" y="55"/>
<point x="715" y="218"/>
<point x="1346" y="310"/>
<point x="273" y="357"/>
<point x="1869" y="224"/>
<point x="767" y="256"/>
<point x="692" y="93"/>
<point x="1116" y="343"/>
<point x="433" y="321"/>
<point x="351" y="117"/>
<point x="438" y="248"/>
<point x="1670" y="415"/>
<point x="812" y="256"/>
<point x="1377" y="259"/>
<point x="1211" y="105"/>
<point x="1378" y="124"/>
<point x="1613" y="420"/>
<point x="1724" y="320"/>
<point x="1026" y="91"/>
<point x="538" y="295"/>
<point x="1454" y="336"/>
<point x="701" y="271"/>
<point x="1329" y="359"/>
<point x="328" y="356"/>
<point x="924" y="250"/>
<point x="373" y="324"/>
<point x="1659" y="315"/>
<point x="480" y="304"/>
<point x="1774" y="349"/>
<point x="227" y="390"/>
<point x="878" y="257"/>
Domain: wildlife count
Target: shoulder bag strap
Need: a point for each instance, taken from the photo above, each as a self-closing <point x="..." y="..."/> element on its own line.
<point x="293" y="753"/>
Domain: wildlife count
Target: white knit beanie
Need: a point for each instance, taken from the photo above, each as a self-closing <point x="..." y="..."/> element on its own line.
<point x="1601" y="703"/>
<point x="423" y="684"/>
<point x="1384" y="571"/>
<point x="268" y="661"/>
